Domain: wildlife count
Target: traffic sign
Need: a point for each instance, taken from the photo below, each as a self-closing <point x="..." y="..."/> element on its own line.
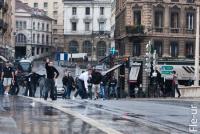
<point x="166" y="69"/>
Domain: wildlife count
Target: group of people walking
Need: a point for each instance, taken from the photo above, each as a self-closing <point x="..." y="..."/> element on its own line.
<point x="84" y="84"/>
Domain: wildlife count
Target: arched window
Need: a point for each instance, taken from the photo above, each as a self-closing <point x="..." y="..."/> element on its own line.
<point x="101" y="49"/>
<point x="87" y="47"/>
<point x="73" y="47"/>
<point x="21" y="38"/>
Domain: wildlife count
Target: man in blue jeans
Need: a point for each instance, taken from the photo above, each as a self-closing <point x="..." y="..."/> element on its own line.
<point x="113" y="87"/>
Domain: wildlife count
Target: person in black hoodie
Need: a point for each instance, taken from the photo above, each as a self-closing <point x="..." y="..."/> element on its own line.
<point x="69" y="84"/>
<point x="52" y="75"/>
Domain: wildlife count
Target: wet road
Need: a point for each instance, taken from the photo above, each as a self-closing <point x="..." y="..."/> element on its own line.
<point x="19" y="115"/>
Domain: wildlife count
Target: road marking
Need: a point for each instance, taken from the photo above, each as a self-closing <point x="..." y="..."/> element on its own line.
<point x="90" y="121"/>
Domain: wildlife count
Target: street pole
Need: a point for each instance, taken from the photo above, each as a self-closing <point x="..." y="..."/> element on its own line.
<point x="196" y="82"/>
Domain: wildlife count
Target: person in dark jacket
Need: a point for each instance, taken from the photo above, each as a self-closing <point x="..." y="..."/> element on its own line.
<point x="52" y="75"/>
<point x="113" y="87"/>
<point x="69" y="84"/>
<point x="32" y="82"/>
<point x="16" y="83"/>
<point x="64" y="81"/>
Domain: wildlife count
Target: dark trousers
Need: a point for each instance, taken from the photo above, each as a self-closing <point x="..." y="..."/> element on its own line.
<point x="81" y="89"/>
<point x="33" y="89"/>
<point x="175" y="87"/>
<point x="90" y="92"/>
<point x="1" y="88"/>
<point x="16" y="88"/>
<point x="28" y="89"/>
<point x="67" y="93"/>
<point x="50" y="86"/>
<point x="113" y="91"/>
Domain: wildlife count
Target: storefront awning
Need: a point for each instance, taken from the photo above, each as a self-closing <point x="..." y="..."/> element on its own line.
<point x="184" y="72"/>
<point x="112" y="69"/>
<point x="134" y="73"/>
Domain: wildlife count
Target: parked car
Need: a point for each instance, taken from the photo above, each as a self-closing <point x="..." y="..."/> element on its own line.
<point x="24" y="66"/>
<point x="60" y="90"/>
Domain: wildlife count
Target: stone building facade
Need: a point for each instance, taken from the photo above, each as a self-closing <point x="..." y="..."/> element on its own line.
<point x="33" y="34"/>
<point x="53" y="9"/>
<point x="87" y="27"/>
<point x="169" y="24"/>
<point x="7" y="28"/>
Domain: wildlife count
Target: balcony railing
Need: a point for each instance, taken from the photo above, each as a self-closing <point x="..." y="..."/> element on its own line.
<point x="139" y="29"/>
<point x="175" y="30"/>
<point x="101" y="33"/>
<point x="172" y="30"/>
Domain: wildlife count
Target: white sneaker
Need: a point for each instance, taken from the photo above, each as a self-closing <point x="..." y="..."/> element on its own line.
<point x="73" y="98"/>
<point x="6" y="93"/>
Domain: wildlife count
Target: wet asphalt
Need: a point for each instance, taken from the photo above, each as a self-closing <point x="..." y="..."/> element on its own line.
<point x="19" y="115"/>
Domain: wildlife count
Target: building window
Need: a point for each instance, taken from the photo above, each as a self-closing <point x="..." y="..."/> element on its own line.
<point x="17" y="24"/>
<point x="33" y="51"/>
<point x="55" y="30"/>
<point x="55" y="22"/>
<point x="55" y="40"/>
<point x="47" y="27"/>
<point x="73" y="47"/>
<point x="190" y="21"/>
<point x="174" y="22"/>
<point x="137" y="17"/>
<point x="33" y="38"/>
<point x="38" y="50"/>
<point x="158" y="46"/>
<point x="38" y="38"/>
<point x="158" y="21"/>
<point x="55" y="5"/>
<point x="55" y="14"/>
<point x="189" y="50"/>
<point x="20" y="38"/>
<point x="74" y="26"/>
<point x="47" y="39"/>
<point x="47" y="49"/>
<point x="35" y="5"/>
<point x="38" y="26"/>
<point x="42" y="50"/>
<point x="101" y="10"/>
<point x="73" y="10"/>
<point x="101" y="49"/>
<point x="43" y="39"/>
<point x="174" y="49"/>
<point x="136" y="48"/>
<point x="45" y="5"/>
<point x="33" y="25"/>
<point x="45" y="12"/>
<point x="87" y="47"/>
<point x="24" y="25"/>
<point x="42" y="26"/>
<point x="101" y="26"/>
<point x="87" y="26"/>
<point x="87" y="11"/>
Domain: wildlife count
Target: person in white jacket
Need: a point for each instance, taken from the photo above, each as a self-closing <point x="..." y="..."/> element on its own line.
<point x="83" y="83"/>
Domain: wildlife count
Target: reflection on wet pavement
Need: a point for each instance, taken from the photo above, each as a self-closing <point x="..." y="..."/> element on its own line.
<point x="111" y="118"/>
<point x="20" y="116"/>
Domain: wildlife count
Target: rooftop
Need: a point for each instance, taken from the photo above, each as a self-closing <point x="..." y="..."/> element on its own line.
<point x="35" y="12"/>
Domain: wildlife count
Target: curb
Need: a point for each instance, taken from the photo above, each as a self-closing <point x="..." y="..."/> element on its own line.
<point x="90" y="121"/>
